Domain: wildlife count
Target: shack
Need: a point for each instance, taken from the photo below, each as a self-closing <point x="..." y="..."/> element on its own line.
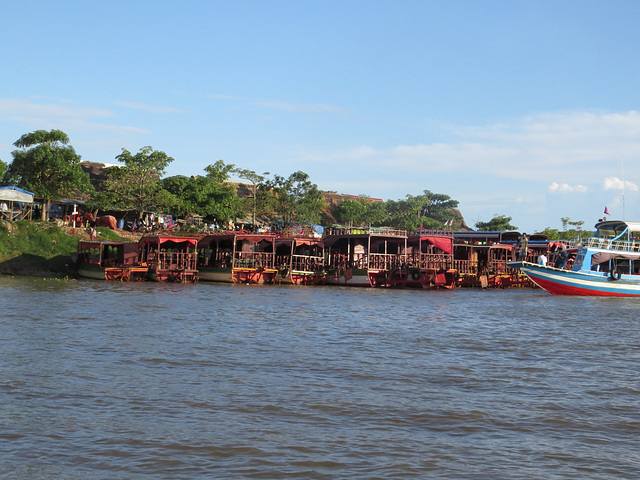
<point x="15" y="204"/>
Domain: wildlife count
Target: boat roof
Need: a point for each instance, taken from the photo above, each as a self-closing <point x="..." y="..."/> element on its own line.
<point x="618" y="225"/>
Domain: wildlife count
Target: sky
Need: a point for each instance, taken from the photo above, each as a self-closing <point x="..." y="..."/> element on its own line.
<point x="528" y="109"/>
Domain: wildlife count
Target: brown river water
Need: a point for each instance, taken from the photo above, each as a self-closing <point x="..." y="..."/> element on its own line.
<point x="165" y="381"/>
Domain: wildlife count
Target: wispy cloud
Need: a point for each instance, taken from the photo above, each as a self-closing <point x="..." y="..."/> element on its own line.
<point x="284" y="106"/>
<point x="540" y="149"/>
<point x="63" y="115"/>
<point x="11" y="108"/>
<point x="150" y="108"/>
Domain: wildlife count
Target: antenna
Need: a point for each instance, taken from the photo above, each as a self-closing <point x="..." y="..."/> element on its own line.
<point x="623" y="215"/>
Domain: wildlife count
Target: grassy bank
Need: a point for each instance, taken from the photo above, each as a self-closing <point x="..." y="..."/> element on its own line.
<point x="39" y="248"/>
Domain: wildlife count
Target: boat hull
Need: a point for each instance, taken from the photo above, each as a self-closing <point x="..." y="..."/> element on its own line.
<point x="566" y="282"/>
<point x="126" y="274"/>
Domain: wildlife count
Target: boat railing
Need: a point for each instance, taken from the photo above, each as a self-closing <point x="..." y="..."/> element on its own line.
<point x="432" y="260"/>
<point x="386" y="261"/>
<point x="466" y="267"/>
<point x="392" y="232"/>
<point x="610" y="244"/>
<point x="176" y="260"/>
<point x="432" y="233"/>
<point x="253" y="260"/>
<point x="306" y="263"/>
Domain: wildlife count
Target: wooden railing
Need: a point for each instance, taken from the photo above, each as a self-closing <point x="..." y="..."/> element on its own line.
<point x="253" y="260"/>
<point x="176" y="260"/>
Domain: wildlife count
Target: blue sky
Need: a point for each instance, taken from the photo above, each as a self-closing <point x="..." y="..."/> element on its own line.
<point x="521" y="108"/>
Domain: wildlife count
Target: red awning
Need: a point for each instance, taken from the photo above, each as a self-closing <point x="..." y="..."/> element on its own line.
<point x="162" y="239"/>
<point x="255" y="238"/>
<point x="443" y="243"/>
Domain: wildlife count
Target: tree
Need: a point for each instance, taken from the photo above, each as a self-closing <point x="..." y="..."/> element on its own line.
<point x="135" y="186"/>
<point x="205" y="195"/>
<point x="255" y="179"/>
<point x="3" y="168"/>
<point x="498" y="223"/>
<point x="350" y="212"/>
<point x="48" y="166"/>
<point x="295" y="199"/>
<point x="429" y="210"/>
<point x="360" y="211"/>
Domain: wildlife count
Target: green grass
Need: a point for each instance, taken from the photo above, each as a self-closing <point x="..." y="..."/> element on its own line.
<point x="34" y="247"/>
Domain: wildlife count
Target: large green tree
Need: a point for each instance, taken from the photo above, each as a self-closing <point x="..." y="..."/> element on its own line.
<point x="499" y="223"/>
<point x="48" y="166"/>
<point x="429" y="210"/>
<point x="360" y="211"/>
<point x="210" y="196"/>
<point x="255" y="179"/>
<point x="135" y="185"/>
<point x="295" y="200"/>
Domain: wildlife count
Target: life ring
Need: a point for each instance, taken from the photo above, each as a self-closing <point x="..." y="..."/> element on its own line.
<point x="615" y="274"/>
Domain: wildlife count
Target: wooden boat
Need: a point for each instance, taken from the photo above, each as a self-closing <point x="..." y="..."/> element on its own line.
<point x="104" y="260"/>
<point x="169" y="258"/>
<point x="300" y="260"/>
<point x="608" y="264"/>
<point x="357" y="257"/>
<point x="237" y="257"/>
<point x="429" y="257"/>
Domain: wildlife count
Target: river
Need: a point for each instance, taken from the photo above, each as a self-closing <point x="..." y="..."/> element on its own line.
<point x="167" y="381"/>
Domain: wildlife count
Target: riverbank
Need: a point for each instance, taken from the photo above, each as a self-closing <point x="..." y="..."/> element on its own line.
<point x="33" y="248"/>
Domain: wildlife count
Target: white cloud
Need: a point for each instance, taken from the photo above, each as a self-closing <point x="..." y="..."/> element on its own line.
<point x="149" y="108"/>
<point x="614" y="183"/>
<point x="536" y="149"/>
<point x="64" y="115"/>
<point x="565" y="187"/>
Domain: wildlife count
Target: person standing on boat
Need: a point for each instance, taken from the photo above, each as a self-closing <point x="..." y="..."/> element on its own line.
<point x="542" y="260"/>
<point x="524" y="243"/>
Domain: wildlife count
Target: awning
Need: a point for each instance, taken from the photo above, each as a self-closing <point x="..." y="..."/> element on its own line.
<point x="601" y="257"/>
<point x="443" y="243"/>
<point x="256" y="238"/>
<point x="162" y="239"/>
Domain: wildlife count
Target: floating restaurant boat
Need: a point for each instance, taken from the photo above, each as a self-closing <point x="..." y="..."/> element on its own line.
<point x="105" y="260"/>
<point x="169" y="258"/>
<point x="429" y="263"/>
<point x="355" y="256"/>
<point x="300" y="260"/>
<point x="237" y="257"/>
<point x="607" y="264"/>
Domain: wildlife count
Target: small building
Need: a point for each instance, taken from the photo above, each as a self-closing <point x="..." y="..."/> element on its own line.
<point x="15" y="204"/>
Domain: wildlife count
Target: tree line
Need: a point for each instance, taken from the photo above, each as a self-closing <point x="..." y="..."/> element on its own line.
<point x="46" y="164"/>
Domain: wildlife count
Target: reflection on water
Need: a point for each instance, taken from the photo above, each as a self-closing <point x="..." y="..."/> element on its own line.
<point x="171" y="381"/>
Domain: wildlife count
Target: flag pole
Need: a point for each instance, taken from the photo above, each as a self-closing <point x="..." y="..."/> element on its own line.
<point x="623" y="214"/>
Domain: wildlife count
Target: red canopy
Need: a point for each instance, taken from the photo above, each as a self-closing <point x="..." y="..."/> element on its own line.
<point x="443" y="243"/>
<point x="255" y="238"/>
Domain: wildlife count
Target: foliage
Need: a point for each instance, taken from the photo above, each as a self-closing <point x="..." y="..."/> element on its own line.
<point x="206" y="196"/>
<point x="567" y="234"/>
<point x="3" y="168"/>
<point x="47" y="166"/>
<point x="135" y="186"/>
<point x="361" y="211"/>
<point x="255" y="179"/>
<point x="498" y="223"/>
<point x="295" y="200"/>
<point x="567" y="221"/>
<point x="429" y="210"/>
